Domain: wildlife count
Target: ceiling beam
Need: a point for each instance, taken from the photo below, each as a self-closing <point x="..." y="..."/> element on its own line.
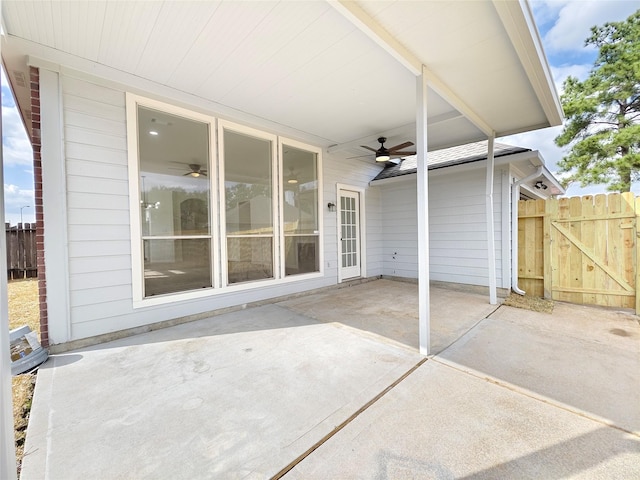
<point x="376" y="32"/>
<point x="371" y="28"/>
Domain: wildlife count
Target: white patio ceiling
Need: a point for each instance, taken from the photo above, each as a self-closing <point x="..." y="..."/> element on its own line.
<point x="336" y="72"/>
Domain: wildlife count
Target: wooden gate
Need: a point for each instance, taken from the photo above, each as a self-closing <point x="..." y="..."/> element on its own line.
<point x="580" y="249"/>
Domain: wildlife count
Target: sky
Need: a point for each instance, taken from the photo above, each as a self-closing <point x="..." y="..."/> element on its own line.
<point x="563" y="24"/>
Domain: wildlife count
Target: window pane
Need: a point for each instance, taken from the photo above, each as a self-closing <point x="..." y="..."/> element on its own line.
<point x="301" y="254"/>
<point x="174" y="164"/>
<point x="176" y="265"/>
<point x="249" y="258"/>
<point x="248" y="180"/>
<point x="300" y="187"/>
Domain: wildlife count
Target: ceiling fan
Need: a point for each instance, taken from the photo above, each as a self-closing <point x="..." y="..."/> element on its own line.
<point x="384" y="154"/>
<point x="196" y="171"/>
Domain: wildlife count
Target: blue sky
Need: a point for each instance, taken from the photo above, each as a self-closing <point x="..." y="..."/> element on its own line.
<point x="563" y="25"/>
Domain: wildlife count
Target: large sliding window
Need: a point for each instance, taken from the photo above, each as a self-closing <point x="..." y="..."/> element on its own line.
<point x="205" y="218"/>
<point x="249" y="206"/>
<point x="174" y="202"/>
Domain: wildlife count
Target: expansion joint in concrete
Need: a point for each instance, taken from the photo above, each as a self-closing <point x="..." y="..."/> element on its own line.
<point x="339" y="427"/>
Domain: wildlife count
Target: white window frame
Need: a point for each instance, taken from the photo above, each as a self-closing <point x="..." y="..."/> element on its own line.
<point x="137" y="258"/>
<point x="252" y="132"/>
<point x="217" y="210"/>
<point x="302" y="146"/>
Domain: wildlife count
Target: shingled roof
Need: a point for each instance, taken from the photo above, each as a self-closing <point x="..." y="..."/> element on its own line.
<point x="448" y="157"/>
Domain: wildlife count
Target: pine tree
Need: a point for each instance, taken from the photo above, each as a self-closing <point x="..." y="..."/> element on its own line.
<point x="603" y="111"/>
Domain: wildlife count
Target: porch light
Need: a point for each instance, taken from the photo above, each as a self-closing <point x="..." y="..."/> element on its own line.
<point x="331" y="206"/>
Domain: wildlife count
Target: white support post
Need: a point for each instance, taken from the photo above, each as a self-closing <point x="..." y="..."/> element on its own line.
<point x="54" y="200"/>
<point x="7" y="441"/>
<point x="423" y="215"/>
<point x="491" y="243"/>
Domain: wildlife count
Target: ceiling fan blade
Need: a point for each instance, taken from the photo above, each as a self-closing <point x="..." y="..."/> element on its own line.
<point x="369" y="148"/>
<point x="402" y="154"/>
<point x="400" y="146"/>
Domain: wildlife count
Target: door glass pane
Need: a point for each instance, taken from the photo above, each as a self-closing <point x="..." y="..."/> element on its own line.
<point x="174" y="166"/>
<point x="176" y="265"/>
<point x="249" y="258"/>
<point x="248" y="179"/>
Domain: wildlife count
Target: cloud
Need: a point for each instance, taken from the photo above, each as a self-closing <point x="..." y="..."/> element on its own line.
<point x="16" y="144"/>
<point x="575" y="19"/>
<point x="560" y="73"/>
<point x="542" y="140"/>
<point x="14" y="198"/>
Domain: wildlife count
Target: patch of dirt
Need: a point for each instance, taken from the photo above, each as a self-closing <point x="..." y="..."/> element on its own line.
<point x="22" y="386"/>
<point x="527" y="302"/>
<point x="23" y="310"/>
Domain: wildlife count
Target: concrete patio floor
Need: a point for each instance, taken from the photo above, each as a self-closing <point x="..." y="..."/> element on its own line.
<point x="259" y="392"/>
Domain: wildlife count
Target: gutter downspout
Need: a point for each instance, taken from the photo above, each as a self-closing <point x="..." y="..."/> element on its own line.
<point x="515" y="194"/>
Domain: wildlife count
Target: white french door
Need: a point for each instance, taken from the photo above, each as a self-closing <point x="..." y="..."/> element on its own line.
<point x="349" y="251"/>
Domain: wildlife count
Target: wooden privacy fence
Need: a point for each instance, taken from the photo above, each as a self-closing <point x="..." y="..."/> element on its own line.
<point x="581" y="249"/>
<point x="21" y="251"/>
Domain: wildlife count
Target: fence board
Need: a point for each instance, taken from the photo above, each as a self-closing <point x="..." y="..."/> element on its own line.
<point x="21" y="251"/>
<point x="589" y="249"/>
<point x="588" y="238"/>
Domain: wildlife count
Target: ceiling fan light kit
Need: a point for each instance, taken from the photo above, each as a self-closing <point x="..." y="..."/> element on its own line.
<point x="384" y="154"/>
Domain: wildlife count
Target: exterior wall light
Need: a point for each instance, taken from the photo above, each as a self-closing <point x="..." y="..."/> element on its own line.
<point x="331" y="206"/>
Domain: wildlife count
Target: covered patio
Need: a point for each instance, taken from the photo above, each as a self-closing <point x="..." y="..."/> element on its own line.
<point x="310" y="388"/>
<point x="332" y="76"/>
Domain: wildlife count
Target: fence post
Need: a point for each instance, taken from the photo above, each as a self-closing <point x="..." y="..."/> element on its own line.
<point x="551" y="209"/>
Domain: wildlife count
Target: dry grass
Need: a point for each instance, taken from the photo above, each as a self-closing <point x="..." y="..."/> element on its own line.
<point x="529" y="303"/>
<point x="23" y="310"/>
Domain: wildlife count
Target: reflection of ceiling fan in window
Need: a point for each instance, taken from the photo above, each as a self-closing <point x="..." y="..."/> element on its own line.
<point x="195" y="170"/>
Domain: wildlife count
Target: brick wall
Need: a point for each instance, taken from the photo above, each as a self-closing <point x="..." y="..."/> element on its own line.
<point x="37" y="178"/>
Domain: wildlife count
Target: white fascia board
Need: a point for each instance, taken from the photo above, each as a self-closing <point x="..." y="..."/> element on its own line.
<point x="518" y="21"/>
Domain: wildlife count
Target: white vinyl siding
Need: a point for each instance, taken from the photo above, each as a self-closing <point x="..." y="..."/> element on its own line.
<point x="99" y="273"/>
<point x="457" y="227"/>
<point x="355" y="173"/>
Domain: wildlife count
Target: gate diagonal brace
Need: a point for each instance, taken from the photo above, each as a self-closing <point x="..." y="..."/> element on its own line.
<point x="589" y="253"/>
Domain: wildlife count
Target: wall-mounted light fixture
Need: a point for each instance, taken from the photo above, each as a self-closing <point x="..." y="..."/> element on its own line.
<point x="331" y="206"/>
<point x="540" y="185"/>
